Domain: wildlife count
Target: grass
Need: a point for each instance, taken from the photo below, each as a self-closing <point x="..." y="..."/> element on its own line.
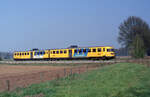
<point x="119" y="80"/>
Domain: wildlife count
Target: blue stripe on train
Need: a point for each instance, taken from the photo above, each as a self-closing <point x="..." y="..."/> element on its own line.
<point x="81" y="54"/>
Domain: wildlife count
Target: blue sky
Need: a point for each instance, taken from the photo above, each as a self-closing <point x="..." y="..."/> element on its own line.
<point x="26" y="24"/>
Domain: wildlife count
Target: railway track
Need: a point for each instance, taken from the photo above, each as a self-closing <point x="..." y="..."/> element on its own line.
<point x="67" y="62"/>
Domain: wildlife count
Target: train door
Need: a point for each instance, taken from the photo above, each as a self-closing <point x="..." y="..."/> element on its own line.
<point x="70" y="53"/>
<point x="31" y="55"/>
<point x="49" y="52"/>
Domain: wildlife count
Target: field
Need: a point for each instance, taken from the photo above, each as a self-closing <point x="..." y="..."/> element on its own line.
<point x="118" y="80"/>
<point x="14" y="70"/>
<point x="23" y="75"/>
<point x="15" y="76"/>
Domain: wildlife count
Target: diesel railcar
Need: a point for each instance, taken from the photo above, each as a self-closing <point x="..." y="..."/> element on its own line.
<point x="99" y="52"/>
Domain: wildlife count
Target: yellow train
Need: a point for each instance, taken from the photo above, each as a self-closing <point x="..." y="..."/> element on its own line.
<point x="99" y="52"/>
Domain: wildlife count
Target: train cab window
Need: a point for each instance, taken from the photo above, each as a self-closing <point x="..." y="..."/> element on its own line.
<point x="61" y="52"/>
<point x="53" y="52"/>
<point x="89" y="50"/>
<point x="65" y="51"/>
<point x="103" y="49"/>
<point x="112" y="50"/>
<point x="99" y="49"/>
<point x="57" y="52"/>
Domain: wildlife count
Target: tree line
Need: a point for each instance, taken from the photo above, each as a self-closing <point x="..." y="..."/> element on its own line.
<point x="134" y="34"/>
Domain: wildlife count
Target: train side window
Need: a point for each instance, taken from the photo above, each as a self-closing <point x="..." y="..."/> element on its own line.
<point x="75" y="51"/>
<point x="53" y="52"/>
<point x="94" y="50"/>
<point x="108" y="50"/>
<point x="61" y="52"/>
<point x="99" y="49"/>
<point x="104" y="49"/>
<point x="79" y="50"/>
<point x="89" y="50"/>
<point x="84" y="50"/>
<point x="57" y="52"/>
<point x="65" y="51"/>
<point x="25" y="54"/>
<point x="20" y="54"/>
<point x="41" y="53"/>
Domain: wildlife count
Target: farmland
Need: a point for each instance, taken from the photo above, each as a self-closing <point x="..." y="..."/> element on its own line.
<point x="118" y="80"/>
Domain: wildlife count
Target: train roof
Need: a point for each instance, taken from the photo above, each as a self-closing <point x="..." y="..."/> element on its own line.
<point x="35" y="49"/>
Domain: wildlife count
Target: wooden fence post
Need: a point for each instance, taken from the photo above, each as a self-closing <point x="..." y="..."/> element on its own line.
<point x="79" y="70"/>
<point x="87" y="68"/>
<point x="71" y="71"/>
<point x="8" y="84"/>
<point x="64" y="71"/>
<point x="57" y="76"/>
<point x="41" y="76"/>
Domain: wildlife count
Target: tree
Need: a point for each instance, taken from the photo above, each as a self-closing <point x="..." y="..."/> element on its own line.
<point x="138" y="49"/>
<point x="130" y="28"/>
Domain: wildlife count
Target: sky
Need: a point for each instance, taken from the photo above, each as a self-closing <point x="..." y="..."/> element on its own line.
<point x="46" y="24"/>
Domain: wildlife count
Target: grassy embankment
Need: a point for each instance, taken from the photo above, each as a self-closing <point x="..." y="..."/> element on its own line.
<point x="119" y="80"/>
